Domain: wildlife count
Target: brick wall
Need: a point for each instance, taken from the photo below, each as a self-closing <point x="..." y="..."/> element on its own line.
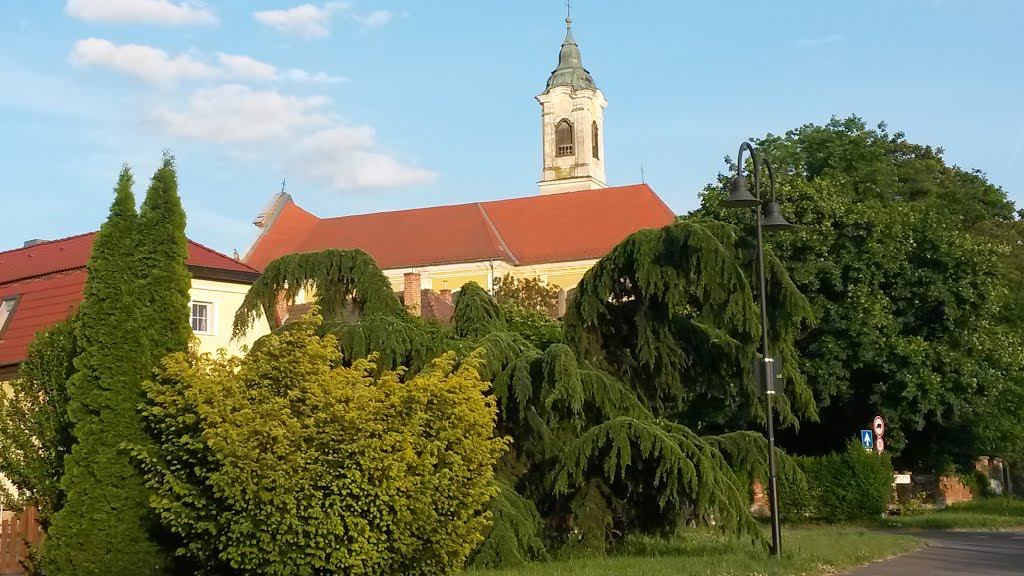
<point x="951" y="490"/>
<point x="759" y="506"/>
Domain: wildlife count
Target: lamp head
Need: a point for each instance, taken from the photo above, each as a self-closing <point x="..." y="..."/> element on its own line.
<point x="773" y="219"/>
<point x="740" y="196"/>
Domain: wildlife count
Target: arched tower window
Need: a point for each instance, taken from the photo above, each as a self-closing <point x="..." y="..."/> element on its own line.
<point x="595" y="149"/>
<point x="563" y="138"/>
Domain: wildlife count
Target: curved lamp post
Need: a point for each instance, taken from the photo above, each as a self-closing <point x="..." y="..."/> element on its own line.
<point x="771" y="220"/>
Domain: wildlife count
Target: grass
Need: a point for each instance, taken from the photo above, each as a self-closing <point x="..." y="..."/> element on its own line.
<point x="806" y="551"/>
<point x="982" y="514"/>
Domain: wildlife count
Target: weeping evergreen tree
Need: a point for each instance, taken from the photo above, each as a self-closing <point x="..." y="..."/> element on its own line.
<point x="104" y="527"/>
<point x="597" y="451"/>
<point x="672" y="312"/>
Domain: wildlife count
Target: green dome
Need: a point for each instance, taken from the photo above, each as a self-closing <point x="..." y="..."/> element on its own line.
<point x="570" y="71"/>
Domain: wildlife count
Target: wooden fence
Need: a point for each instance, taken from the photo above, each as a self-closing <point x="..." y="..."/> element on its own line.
<point x="16" y="535"/>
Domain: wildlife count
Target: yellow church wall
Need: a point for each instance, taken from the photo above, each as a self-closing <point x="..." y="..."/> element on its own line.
<point x="565" y="281"/>
<point x="565" y="275"/>
<point x="455" y="282"/>
<point x="225" y="298"/>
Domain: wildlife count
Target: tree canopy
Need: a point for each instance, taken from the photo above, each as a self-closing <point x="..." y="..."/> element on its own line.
<point x="908" y="264"/>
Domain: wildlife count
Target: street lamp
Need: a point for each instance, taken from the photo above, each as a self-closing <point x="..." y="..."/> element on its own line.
<point x="771" y="220"/>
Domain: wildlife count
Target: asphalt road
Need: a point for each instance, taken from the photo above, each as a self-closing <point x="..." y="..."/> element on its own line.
<point x="959" y="554"/>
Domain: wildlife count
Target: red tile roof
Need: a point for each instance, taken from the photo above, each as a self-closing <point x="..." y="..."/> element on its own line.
<point x="48" y="280"/>
<point x="533" y="230"/>
<point x="42" y="302"/>
<point x="73" y="253"/>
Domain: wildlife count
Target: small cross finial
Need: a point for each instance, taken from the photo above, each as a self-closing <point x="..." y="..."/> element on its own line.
<point x="568" y="12"/>
<point x="643" y="180"/>
<point x="283" y="180"/>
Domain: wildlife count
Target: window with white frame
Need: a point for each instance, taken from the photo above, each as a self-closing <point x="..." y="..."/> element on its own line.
<point x="6" y="311"/>
<point x="202" y="317"/>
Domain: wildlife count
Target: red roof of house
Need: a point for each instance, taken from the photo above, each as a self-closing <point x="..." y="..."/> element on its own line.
<point x="48" y="279"/>
<point x="538" y="229"/>
<point x="42" y="302"/>
<point x="72" y="253"/>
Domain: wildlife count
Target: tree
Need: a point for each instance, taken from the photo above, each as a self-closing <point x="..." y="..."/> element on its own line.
<point x="35" y="432"/>
<point x="283" y="463"/>
<point x="163" y="254"/>
<point x="899" y="258"/>
<point x="672" y="313"/>
<point x="528" y="293"/>
<point x="106" y="526"/>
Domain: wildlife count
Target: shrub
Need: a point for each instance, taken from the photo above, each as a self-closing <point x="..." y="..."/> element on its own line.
<point x="287" y="462"/>
<point x="850" y="485"/>
<point x="538" y="329"/>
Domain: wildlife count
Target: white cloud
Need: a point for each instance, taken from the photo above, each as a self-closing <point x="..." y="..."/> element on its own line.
<point x="375" y="19"/>
<point x="232" y="113"/>
<point x="298" y="75"/>
<point x="156" y="66"/>
<point x="345" y="169"/>
<point x="306" y="20"/>
<point x="246" y="67"/>
<point x="148" y="11"/>
<point x="144" y="62"/>
<point x="300" y="132"/>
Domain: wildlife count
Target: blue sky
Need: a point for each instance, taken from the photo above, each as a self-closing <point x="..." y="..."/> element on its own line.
<point x="372" y="105"/>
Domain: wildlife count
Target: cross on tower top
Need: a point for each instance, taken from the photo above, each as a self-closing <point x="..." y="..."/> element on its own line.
<point x="568" y="12"/>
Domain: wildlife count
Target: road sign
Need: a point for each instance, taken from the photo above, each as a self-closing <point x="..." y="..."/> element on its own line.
<point x="879" y="426"/>
<point x="879" y="444"/>
<point x="866" y="440"/>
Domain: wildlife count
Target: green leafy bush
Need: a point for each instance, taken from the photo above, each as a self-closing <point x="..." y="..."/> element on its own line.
<point x="35" y="432"/>
<point x="538" y="329"/>
<point x="849" y="485"/>
<point x="287" y="462"/>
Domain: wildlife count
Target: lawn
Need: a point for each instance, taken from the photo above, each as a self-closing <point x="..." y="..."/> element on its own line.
<point x="983" y="514"/>
<point x="806" y="550"/>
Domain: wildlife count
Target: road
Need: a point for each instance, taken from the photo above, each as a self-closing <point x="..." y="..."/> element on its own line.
<point x="958" y="554"/>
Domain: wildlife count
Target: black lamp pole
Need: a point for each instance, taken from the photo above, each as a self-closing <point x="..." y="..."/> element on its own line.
<point x="770" y="220"/>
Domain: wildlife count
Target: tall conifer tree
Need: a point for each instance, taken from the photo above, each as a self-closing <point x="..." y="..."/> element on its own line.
<point x="105" y="527"/>
<point x="163" y="254"/>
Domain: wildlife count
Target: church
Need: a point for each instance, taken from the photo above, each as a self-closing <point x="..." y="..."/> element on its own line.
<point x="555" y="234"/>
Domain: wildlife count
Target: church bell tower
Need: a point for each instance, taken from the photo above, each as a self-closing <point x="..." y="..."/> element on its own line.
<point x="572" y="120"/>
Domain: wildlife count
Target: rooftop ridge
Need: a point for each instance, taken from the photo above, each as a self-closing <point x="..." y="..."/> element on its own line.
<point x="497" y="234"/>
<point x="218" y="253"/>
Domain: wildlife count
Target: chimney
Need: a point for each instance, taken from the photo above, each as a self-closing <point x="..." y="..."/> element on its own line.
<point x="446" y="295"/>
<point x="33" y="242"/>
<point x="413" y="296"/>
<point x="561" y="304"/>
<point x="281" y="308"/>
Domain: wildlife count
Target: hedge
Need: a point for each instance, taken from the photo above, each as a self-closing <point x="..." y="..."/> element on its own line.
<point x="851" y="485"/>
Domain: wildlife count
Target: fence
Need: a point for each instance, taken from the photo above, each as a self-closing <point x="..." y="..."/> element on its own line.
<point x="16" y="535"/>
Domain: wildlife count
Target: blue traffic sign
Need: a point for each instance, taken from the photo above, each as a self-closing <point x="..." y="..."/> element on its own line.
<point x="867" y="439"/>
